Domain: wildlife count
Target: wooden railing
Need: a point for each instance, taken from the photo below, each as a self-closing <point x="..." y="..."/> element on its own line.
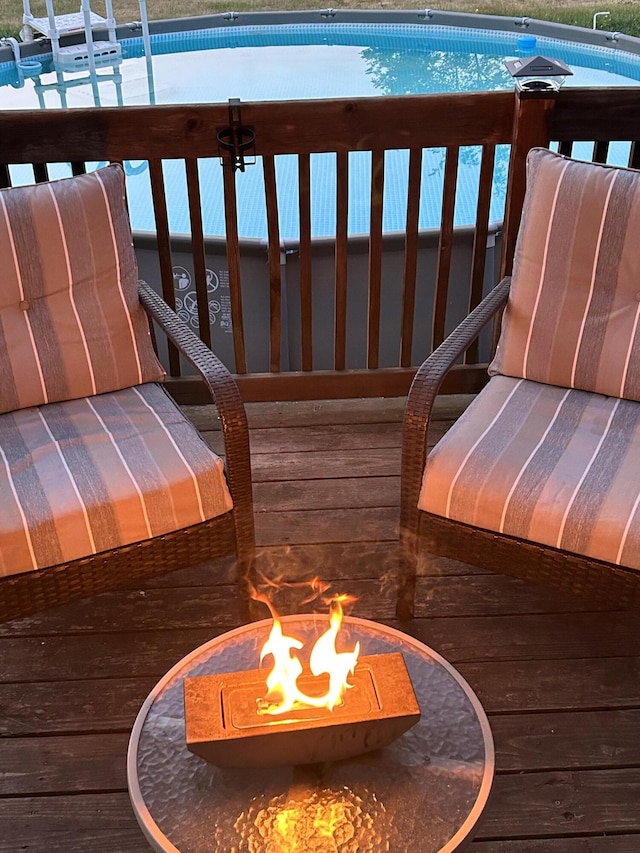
<point x="301" y="129"/>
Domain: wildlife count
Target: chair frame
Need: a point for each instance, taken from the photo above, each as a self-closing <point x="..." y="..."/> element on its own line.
<point x="232" y="533"/>
<point x="424" y="532"/>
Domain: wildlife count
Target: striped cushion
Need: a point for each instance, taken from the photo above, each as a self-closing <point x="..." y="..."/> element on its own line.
<point x="88" y="475"/>
<point x="572" y="317"/>
<point x="71" y="324"/>
<point x="553" y="465"/>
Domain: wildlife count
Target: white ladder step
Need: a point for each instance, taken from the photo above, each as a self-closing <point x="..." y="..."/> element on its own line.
<point x="66" y="24"/>
<point x="75" y="57"/>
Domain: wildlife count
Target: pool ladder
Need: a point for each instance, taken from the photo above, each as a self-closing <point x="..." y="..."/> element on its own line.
<point x="87" y="54"/>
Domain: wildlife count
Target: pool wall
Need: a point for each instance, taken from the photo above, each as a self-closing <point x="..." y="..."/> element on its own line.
<point x="424" y="17"/>
<point x="255" y="296"/>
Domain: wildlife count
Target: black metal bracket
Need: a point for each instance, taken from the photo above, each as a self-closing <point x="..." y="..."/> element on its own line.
<point x="237" y="139"/>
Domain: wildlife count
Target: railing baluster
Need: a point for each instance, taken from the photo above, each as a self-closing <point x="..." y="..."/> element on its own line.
<point x="600" y="152"/>
<point x="275" y="277"/>
<point x="306" y="304"/>
<point x="197" y="249"/>
<point x="342" y="212"/>
<point x="480" y="238"/>
<point x="375" y="258"/>
<point x="164" y="249"/>
<point x="40" y="172"/>
<point x="410" y="256"/>
<point x="445" y="245"/>
<point x="233" y="263"/>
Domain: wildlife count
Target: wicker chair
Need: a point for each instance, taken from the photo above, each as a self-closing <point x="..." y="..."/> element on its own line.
<point x="540" y="477"/>
<point x="223" y="510"/>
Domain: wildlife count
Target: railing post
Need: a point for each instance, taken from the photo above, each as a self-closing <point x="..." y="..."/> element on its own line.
<point x="530" y="129"/>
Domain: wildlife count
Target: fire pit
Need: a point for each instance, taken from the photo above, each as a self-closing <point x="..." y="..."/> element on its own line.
<point x="423" y="791"/>
<point x="320" y="710"/>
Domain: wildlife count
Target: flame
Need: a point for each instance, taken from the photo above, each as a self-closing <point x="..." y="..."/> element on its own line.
<point x="283" y="693"/>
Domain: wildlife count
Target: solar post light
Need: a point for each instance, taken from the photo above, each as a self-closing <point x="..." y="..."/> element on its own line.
<point x="537" y="73"/>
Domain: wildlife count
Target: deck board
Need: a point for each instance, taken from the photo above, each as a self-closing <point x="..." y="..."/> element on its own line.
<point x="558" y="676"/>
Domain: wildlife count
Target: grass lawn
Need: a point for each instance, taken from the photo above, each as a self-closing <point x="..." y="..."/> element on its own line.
<point x="624" y="14"/>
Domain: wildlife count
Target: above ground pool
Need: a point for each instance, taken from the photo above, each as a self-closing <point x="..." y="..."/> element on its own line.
<point x="313" y="60"/>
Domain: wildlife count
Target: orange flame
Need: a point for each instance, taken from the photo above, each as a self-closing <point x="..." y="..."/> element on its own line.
<point x="283" y="692"/>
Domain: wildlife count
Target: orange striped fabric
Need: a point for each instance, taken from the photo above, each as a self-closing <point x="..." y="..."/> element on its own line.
<point x="70" y="321"/>
<point x="573" y="313"/>
<point x="553" y="465"/>
<point x="88" y="475"/>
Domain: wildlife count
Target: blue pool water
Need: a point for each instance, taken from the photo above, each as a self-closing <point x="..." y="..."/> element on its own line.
<point x="291" y="61"/>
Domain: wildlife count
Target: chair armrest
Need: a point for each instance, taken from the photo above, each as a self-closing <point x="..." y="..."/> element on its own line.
<point x="222" y="387"/>
<point x="425" y="387"/>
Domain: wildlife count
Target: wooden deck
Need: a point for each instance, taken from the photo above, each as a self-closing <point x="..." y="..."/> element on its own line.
<point x="559" y="678"/>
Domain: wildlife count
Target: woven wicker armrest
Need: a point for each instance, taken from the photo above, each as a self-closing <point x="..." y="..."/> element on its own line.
<point x="425" y="387"/>
<point x="226" y="396"/>
<point x="422" y="395"/>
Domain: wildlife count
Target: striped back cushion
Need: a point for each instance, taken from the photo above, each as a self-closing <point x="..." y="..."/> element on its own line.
<point x="71" y="324"/>
<point x="572" y="316"/>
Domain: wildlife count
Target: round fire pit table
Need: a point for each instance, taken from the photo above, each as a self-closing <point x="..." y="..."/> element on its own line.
<point x="424" y="792"/>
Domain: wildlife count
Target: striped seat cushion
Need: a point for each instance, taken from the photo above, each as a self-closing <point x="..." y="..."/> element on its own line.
<point x="573" y="313"/>
<point x="552" y="465"/>
<point x="71" y="324"/>
<point x="88" y="475"/>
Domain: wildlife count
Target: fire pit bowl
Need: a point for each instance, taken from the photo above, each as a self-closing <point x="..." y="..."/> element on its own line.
<point x="223" y="725"/>
<point x="424" y="791"/>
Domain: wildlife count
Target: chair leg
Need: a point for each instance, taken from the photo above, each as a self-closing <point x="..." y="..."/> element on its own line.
<point x="407" y="570"/>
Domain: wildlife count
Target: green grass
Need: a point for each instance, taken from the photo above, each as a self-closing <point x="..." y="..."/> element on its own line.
<point x="624" y="14"/>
